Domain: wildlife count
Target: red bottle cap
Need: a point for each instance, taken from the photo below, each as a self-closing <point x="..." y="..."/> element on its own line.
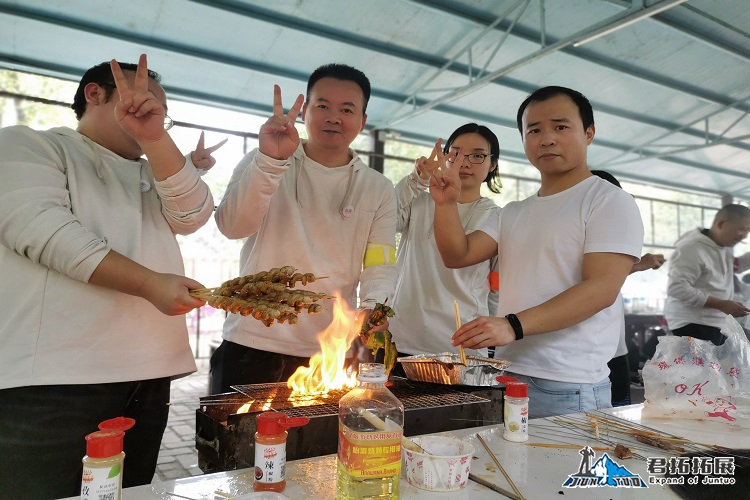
<point x="516" y="390"/>
<point x="272" y="422"/>
<point x="107" y="441"/>
<point x="104" y="444"/>
<point x="504" y="379"/>
<point x="117" y="424"/>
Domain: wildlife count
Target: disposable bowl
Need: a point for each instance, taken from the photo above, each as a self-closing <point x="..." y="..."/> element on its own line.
<point x="445" y="466"/>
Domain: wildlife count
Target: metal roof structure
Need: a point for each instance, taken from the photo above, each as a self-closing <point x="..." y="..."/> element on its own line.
<point x="669" y="80"/>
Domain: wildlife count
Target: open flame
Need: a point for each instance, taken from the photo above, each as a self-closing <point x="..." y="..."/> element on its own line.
<point x="327" y="369"/>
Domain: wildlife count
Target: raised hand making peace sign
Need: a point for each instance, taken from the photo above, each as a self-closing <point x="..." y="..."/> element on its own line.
<point x="445" y="184"/>
<point x="202" y="156"/>
<point x="138" y="111"/>
<point x="278" y="138"/>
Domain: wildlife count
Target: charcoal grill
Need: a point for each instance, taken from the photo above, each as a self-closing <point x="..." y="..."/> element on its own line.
<point x="225" y="439"/>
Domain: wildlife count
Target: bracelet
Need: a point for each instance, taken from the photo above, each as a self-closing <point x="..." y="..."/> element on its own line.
<point x="515" y="323"/>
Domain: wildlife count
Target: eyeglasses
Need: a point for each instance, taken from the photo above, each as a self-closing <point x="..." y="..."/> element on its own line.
<point x="474" y="158"/>
<point x="168" y="122"/>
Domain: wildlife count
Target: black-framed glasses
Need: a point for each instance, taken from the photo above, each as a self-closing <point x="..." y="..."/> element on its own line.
<point x="474" y="158"/>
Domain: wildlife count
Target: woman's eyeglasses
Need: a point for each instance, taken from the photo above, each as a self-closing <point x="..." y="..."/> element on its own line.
<point x="474" y="158"/>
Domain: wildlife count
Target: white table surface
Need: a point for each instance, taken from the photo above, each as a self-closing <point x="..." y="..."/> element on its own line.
<point x="537" y="472"/>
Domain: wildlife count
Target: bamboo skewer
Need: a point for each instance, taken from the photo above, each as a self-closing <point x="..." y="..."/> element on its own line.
<point x="493" y="487"/>
<point x="568" y="446"/>
<point x="628" y="430"/>
<point x="497" y="462"/>
<point x="458" y="325"/>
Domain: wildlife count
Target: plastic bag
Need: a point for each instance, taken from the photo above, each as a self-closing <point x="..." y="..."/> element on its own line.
<point x="695" y="379"/>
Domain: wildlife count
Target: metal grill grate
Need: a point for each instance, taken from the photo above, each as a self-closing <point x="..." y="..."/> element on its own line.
<point x="412" y="395"/>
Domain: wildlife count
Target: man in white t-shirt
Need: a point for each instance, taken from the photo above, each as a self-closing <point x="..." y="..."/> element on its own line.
<point x="564" y="255"/>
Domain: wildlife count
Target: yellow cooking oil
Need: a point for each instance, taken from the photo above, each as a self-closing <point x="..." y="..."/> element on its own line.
<point x="371" y="422"/>
<point x="350" y="487"/>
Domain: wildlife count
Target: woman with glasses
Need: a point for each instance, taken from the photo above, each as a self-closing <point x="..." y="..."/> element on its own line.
<point x="423" y="302"/>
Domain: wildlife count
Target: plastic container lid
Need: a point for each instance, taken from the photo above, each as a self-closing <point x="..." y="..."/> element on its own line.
<point x="516" y="390"/>
<point x="504" y="379"/>
<point x="117" y="424"/>
<point x="371" y="372"/>
<point x="104" y="444"/>
<point x="107" y="441"/>
<point x="271" y="422"/>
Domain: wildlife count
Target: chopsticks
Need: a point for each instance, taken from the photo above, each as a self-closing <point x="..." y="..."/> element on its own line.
<point x="493" y="487"/>
<point x="497" y="462"/>
<point x="458" y="325"/>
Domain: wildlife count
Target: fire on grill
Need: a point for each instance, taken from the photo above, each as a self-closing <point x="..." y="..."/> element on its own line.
<point x="226" y="423"/>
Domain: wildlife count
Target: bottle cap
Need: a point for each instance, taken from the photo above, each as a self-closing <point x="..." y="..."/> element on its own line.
<point x="516" y="390"/>
<point x="107" y="441"/>
<point x="272" y="422"/>
<point x="103" y="444"/>
<point x="504" y="379"/>
<point x="117" y="424"/>
<point x="371" y="372"/>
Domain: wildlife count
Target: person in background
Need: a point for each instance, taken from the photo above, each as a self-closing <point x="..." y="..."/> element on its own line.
<point x="700" y="291"/>
<point x="564" y="254"/>
<point x="93" y="293"/>
<point x="425" y="290"/>
<point x="619" y="365"/>
<point x="314" y="205"/>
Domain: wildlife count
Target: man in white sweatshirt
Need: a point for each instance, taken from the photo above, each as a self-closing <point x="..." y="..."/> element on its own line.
<point x="701" y="276"/>
<point x="93" y="289"/>
<point x="314" y="205"/>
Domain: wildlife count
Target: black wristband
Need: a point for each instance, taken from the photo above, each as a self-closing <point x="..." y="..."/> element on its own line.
<point x="516" y="325"/>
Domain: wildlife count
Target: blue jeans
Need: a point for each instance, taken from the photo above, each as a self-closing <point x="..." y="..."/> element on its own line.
<point x="549" y="397"/>
<point x="43" y="430"/>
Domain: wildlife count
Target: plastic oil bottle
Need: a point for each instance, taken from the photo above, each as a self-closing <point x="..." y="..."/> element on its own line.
<point x="103" y="463"/>
<point x="270" y="450"/>
<point x="371" y="425"/>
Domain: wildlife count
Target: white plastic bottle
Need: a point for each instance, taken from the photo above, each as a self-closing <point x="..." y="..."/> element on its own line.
<point x="371" y="425"/>
<point x="103" y="463"/>
<point x="516" y="412"/>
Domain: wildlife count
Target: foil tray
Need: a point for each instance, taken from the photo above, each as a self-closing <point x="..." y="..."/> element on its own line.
<point x="446" y="368"/>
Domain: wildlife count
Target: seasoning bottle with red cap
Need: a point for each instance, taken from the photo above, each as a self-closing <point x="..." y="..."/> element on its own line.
<point x="516" y="412"/>
<point x="103" y="463"/>
<point x="270" y="449"/>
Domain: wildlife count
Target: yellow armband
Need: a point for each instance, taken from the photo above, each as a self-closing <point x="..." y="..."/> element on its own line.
<point x="379" y="255"/>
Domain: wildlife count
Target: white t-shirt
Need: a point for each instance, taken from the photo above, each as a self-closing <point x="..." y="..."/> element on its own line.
<point x="541" y="244"/>
<point x="425" y="320"/>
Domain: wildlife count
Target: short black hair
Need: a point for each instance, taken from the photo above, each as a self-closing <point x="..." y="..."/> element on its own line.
<point x="732" y="212"/>
<point x="340" y="72"/>
<point x="607" y="177"/>
<point x="101" y="74"/>
<point x="493" y="176"/>
<point x="544" y="93"/>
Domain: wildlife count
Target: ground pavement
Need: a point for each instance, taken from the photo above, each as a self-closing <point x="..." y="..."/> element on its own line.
<point x="178" y="457"/>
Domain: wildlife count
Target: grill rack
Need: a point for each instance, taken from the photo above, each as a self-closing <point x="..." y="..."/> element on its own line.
<point x="423" y="397"/>
<point x="224" y="438"/>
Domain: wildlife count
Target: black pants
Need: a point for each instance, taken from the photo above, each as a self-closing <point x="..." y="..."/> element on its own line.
<point x="235" y="364"/>
<point x="619" y="376"/>
<point x="702" y="332"/>
<point x="43" y="430"/>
